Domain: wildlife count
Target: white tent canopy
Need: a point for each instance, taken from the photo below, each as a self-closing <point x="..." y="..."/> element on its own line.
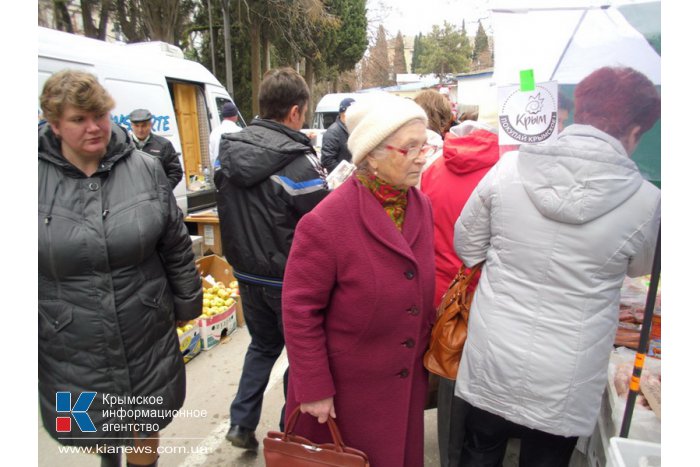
<point x="566" y="41"/>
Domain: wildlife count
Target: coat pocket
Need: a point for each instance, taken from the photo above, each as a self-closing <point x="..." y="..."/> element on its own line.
<point x="157" y="297"/>
<point x="54" y="316"/>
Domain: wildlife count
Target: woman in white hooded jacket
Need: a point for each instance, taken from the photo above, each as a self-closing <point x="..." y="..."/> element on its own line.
<point x="559" y="225"/>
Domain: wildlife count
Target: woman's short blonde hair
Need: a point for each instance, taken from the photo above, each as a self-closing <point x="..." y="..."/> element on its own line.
<point x="437" y="107"/>
<point x="73" y="87"/>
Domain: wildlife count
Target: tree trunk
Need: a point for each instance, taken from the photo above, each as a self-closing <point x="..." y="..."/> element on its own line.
<point x="309" y="78"/>
<point x="86" y="13"/>
<point x="255" y="65"/>
<point x="105" y="9"/>
<point x="266" y="53"/>
<point x="227" y="45"/>
<point x="63" y="22"/>
<point x="211" y="41"/>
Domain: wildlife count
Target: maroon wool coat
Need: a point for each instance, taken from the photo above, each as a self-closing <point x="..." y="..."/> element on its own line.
<point x="357" y="307"/>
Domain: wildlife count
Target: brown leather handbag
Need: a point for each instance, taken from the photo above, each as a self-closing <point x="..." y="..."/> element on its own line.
<point x="290" y="450"/>
<point x="450" y="330"/>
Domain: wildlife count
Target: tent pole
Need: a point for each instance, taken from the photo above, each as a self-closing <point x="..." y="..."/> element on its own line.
<point x="568" y="44"/>
<point x="643" y="340"/>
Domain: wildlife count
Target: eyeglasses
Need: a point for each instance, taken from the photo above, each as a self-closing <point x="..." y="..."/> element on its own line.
<point x="426" y="150"/>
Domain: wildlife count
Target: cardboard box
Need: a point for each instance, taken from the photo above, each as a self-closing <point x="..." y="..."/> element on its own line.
<point x="217" y="327"/>
<point x="191" y="343"/>
<point x="215" y="269"/>
<point x="208" y="227"/>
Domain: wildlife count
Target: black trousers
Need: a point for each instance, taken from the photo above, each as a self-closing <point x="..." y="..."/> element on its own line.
<point x="262" y="309"/>
<point x="487" y="437"/>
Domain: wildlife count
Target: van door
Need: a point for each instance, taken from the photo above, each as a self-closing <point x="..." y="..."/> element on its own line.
<point x="192" y="118"/>
<point x="188" y="126"/>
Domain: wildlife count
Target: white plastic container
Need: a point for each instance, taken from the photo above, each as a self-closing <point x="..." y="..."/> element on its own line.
<point x="625" y="452"/>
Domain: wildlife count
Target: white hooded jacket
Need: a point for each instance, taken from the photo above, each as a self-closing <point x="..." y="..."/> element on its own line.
<point x="559" y="225"/>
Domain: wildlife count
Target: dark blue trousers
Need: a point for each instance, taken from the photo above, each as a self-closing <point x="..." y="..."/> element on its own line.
<point x="262" y="309"/>
<point x="487" y="439"/>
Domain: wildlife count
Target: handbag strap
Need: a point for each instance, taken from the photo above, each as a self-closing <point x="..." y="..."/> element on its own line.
<point x="332" y="426"/>
<point x="466" y="279"/>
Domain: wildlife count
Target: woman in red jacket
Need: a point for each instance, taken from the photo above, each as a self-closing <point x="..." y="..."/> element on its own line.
<point x="469" y="151"/>
<point x="358" y="291"/>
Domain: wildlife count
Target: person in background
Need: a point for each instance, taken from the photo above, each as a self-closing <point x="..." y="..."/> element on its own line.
<point x="358" y="312"/>
<point x="229" y="117"/>
<point x="559" y="225"/>
<point x="468" y="112"/>
<point x="335" y="140"/>
<point x="269" y="178"/>
<point x="565" y="106"/>
<point x="469" y="152"/>
<point x="437" y="108"/>
<point x="115" y="276"/>
<point x="156" y="146"/>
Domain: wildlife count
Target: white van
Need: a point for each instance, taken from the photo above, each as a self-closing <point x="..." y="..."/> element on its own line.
<point x="183" y="96"/>
<point x="327" y="109"/>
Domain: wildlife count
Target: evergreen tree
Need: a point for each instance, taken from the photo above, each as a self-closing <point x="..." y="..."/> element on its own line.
<point x="446" y="51"/>
<point x="417" y="51"/>
<point x="482" y="58"/>
<point x="399" y="55"/>
<point x="377" y="67"/>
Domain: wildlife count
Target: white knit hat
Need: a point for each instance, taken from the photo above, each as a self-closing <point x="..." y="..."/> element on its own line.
<point x="371" y="121"/>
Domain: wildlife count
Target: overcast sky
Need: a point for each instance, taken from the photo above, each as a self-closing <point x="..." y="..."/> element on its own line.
<point x="414" y="16"/>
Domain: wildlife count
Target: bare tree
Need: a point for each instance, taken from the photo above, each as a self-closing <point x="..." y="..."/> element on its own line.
<point x="87" y="8"/>
<point x="63" y="21"/>
<point x="226" y="14"/>
<point x="211" y="40"/>
<point x="161" y="18"/>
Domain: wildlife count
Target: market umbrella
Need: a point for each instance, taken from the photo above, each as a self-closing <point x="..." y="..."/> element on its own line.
<point x="567" y="43"/>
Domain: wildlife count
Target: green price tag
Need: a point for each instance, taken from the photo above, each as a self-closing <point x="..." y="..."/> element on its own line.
<point x="527" y="80"/>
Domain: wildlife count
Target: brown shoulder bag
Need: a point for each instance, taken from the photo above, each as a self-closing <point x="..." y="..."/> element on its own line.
<point x="290" y="450"/>
<point x="450" y="330"/>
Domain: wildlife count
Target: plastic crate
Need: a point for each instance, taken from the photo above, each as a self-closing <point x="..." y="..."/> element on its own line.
<point x="625" y="452"/>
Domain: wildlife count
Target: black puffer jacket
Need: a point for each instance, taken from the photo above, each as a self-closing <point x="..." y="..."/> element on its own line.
<point x="164" y="150"/>
<point x="335" y="146"/>
<point x="269" y="178"/>
<point x="116" y="269"/>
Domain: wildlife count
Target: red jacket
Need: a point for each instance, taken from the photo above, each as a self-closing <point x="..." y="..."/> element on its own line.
<point x="357" y="312"/>
<point x="448" y="182"/>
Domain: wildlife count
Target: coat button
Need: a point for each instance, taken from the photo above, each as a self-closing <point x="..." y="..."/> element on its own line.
<point x="403" y="373"/>
<point x="409" y="274"/>
<point x="410" y="343"/>
<point x="93" y="186"/>
<point x="413" y="310"/>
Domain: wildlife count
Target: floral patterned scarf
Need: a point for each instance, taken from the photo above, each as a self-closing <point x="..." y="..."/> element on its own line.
<point x="392" y="199"/>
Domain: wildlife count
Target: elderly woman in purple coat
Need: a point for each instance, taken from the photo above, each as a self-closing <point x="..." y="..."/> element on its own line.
<point x="358" y="291"/>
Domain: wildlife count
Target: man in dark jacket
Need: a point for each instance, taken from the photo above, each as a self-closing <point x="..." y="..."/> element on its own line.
<point x="269" y="178"/>
<point x="155" y="145"/>
<point x="335" y="139"/>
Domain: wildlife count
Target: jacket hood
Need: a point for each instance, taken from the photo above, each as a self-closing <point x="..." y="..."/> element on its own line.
<point x="470" y="147"/>
<point x="120" y="145"/>
<point x="260" y="150"/>
<point x="578" y="177"/>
